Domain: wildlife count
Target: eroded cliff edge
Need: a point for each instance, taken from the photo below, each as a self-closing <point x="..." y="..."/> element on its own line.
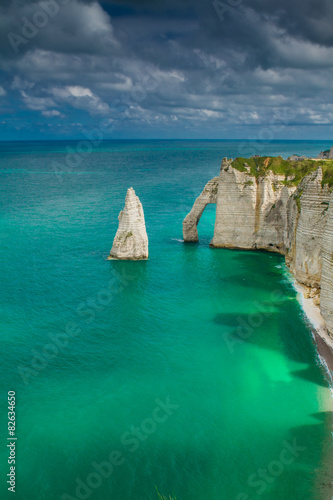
<point x="276" y="205"/>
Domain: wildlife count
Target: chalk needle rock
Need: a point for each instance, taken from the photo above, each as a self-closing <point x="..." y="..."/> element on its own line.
<point x="131" y="240"/>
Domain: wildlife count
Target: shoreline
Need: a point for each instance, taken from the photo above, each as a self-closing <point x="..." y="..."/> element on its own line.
<point x="323" y="341"/>
<point x="324" y="344"/>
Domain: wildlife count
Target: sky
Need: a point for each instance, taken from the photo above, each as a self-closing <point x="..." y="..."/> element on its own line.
<point x="193" y="69"/>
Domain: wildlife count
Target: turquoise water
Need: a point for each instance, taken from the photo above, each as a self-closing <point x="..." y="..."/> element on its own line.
<point x="194" y="372"/>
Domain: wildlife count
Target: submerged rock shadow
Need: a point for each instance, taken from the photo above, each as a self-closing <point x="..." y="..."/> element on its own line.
<point x="242" y="329"/>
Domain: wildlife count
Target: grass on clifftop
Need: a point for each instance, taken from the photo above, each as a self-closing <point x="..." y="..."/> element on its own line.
<point x="328" y="174"/>
<point x="294" y="171"/>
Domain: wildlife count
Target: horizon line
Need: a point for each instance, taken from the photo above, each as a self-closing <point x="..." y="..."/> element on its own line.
<point x="168" y="139"/>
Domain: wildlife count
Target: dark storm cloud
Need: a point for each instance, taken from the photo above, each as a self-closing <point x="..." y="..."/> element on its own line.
<point x="212" y="65"/>
<point x="68" y="27"/>
<point x="311" y="19"/>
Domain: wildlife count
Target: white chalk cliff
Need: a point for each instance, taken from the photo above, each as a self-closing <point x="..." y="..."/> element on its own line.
<point x="208" y="195"/>
<point x="271" y="212"/>
<point x="307" y="225"/>
<point x="326" y="297"/>
<point x="250" y="210"/>
<point x="131" y="240"/>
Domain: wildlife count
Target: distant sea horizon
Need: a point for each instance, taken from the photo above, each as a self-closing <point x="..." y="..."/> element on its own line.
<point x="170" y="139"/>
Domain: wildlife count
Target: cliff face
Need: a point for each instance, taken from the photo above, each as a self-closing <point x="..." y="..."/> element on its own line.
<point x="307" y="227"/>
<point x="326" y="154"/>
<point x="250" y="211"/>
<point x="290" y="213"/>
<point x="326" y="299"/>
<point x="131" y="240"/>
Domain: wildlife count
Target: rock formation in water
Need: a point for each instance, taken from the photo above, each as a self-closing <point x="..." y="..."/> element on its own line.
<point x="131" y="240"/>
<point x="208" y="195"/>
<point x="277" y="205"/>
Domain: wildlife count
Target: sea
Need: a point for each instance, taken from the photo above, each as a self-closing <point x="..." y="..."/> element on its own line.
<point x="193" y="375"/>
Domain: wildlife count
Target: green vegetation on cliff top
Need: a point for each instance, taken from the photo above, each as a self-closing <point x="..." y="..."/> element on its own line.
<point x="294" y="171"/>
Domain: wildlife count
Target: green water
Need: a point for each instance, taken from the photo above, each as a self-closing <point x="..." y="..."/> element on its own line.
<point x="194" y="372"/>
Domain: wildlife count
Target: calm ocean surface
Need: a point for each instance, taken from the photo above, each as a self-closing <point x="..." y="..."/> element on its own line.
<point x="152" y="374"/>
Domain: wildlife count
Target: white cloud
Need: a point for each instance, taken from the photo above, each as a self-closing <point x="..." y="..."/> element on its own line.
<point x="209" y="60"/>
<point x="52" y="113"/>
<point x="171" y="76"/>
<point x="81" y="98"/>
<point x="77" y="91"/>
<point x="20" y="84"/>
<point x="2" y="91"/>
<point x="78" y="27"/>
<point x="37" y="103"/>
<point x="300" y="54"/>
<point x="123" y="83"/>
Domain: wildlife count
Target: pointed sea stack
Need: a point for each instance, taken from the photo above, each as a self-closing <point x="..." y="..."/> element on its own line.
<point x="131" y="240"/>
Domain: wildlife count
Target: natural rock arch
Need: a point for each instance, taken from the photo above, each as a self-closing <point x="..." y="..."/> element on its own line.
<point x="190" y="223"/>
